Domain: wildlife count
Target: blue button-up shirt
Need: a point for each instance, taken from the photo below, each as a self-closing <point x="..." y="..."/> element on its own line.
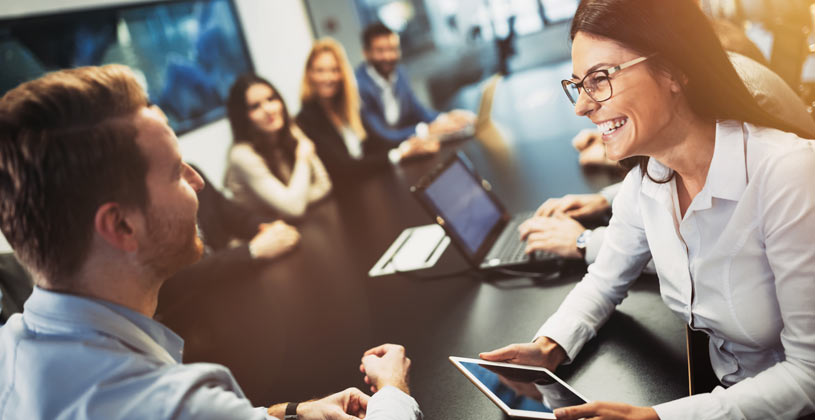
<point x="73" y="357"/>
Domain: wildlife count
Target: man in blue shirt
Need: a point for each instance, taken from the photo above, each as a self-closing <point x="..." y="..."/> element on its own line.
<point x="99" y="206"/>
<point x="390" y="109"/>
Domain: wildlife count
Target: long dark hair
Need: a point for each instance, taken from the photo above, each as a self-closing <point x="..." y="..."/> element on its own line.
<point x="682" y="42"/>
<point x="244" y="131"/>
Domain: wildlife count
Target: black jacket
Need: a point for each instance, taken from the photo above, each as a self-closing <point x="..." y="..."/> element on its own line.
<point x="221" y="219"/>
<point x="328" y="142"/>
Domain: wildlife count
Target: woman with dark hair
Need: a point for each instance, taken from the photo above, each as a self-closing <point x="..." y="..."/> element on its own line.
<point x="719" y="193"/>
<point x="272" y="166"/>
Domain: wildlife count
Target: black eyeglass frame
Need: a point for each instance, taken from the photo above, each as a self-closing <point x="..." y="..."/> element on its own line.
<point x="608" y="72"/>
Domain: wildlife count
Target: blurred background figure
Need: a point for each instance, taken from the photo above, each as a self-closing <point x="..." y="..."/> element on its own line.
<point x="273" y="168"/>
<point x="390" y="109"/>
<point x="329" y="115"/>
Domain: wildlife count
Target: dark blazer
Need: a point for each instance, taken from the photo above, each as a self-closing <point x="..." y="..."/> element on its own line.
<point x="373" y="111"/>
<point x="221" y="219"/>
<point x="331" y="149"/>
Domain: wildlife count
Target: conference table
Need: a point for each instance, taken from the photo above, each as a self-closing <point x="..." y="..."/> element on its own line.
<point x="295" y="328"/>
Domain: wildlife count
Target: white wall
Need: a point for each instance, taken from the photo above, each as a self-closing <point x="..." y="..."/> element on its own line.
<point x="279" y="36"/>
<point x="338" y="19"/>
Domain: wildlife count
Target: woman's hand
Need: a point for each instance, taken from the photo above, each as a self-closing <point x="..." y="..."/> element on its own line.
<point x="415" y="146"/>
<point x="606" y="411"/>
<point x="574" y="205"/>
<point x="543" y="352"/>
<point x="274" y="239"/>
<point x="305" y="149"/>
<point x="592" y="151"/>
<point x="557" y="234"/>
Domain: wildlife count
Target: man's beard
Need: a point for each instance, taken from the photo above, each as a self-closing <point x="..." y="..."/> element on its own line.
<point x="173" y="244"/>
<point x="384" y="68"/>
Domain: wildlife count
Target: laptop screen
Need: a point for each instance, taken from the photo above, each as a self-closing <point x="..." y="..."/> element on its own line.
<point x="464" y="204"/>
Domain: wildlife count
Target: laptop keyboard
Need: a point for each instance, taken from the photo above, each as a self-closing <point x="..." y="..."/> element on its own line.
<point x="509" y="248"/>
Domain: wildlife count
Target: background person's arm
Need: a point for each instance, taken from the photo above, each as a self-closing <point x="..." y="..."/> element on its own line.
<point x="374" y="121"/>
<point x="288" y="199"/>
<point x="320" y="182"/>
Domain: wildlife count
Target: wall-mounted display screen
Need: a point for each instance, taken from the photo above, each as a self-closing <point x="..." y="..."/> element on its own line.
<point x="186" y="53"/>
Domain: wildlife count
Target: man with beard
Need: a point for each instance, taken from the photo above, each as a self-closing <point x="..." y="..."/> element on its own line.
<point x="101" y="209"/>
<point x="390" y="109"/>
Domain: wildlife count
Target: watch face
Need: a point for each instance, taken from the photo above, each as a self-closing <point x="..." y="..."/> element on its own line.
<point x="583" y="239"/>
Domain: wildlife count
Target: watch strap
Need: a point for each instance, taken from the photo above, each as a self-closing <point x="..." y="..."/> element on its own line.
<point x="291" y="411"/>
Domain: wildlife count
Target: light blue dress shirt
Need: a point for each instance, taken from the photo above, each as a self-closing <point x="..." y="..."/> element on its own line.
<point x="73" y="357"/>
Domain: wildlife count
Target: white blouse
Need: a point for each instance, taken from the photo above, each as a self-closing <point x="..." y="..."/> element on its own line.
<point x="352" y="142"/>
<point x="254" y="186"/>
<point x="740" y="266"/>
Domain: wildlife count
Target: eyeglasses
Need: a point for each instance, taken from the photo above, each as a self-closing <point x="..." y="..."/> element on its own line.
<point x="597" y="84"/>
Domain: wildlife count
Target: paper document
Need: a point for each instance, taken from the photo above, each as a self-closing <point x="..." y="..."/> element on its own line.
<point x="415" y="248"/>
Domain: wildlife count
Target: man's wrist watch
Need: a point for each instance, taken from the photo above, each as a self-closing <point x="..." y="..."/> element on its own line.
<point x="291" y="411"/>
<point x="583" y="241"/>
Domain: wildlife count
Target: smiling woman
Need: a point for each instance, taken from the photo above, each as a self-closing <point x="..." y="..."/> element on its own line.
<point x="679" y="43"/>
<point x="719" y="195"/>
<point x="272" y="168"/>
<point x="330" y="114"/>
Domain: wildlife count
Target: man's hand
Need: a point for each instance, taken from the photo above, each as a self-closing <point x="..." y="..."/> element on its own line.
<point x="462" y="117"/>
<point x="606" y="411"/>
<point x="557" y="234"/>
<point x="350" y="404"/>
<point x="274" y="239"/>
<point x="345" y="405"/>
<point x="386" y="365"/>
<point x="574" y="205"/>
<point x="543" y="352"/>
<point x="442" y="125"/>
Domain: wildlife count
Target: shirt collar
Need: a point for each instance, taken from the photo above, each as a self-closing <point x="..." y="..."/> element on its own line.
<point x="48" y="312"/>
<point x="727" y="175"/>
<point x="379" y="80"/>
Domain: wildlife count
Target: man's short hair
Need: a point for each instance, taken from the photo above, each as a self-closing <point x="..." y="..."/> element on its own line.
<point x="374" y="30"/>
<point x="67" y="146"/>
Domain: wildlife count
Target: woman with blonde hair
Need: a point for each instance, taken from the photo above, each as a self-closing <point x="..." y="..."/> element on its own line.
<point x="330" y="117"/>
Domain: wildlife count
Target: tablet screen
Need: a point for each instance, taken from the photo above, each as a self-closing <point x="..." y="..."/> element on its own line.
<point x="524" y="389"/>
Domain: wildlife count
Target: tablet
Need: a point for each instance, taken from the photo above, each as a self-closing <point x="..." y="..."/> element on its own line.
<point x="521" y="391"/>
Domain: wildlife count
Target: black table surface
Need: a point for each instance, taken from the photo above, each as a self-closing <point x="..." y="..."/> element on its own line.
<point x="296" y="328"/>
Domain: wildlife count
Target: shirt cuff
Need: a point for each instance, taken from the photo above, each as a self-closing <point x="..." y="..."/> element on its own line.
<point x="393" y="404"/>
<point x="594" y="244"/>
<point x="394" y="155"/>
<point x="422" y="130"/>
<point x="700" y="406"/>
<point x="568" y="333"/>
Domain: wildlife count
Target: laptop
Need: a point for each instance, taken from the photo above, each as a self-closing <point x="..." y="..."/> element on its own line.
<point x="484" y="117"/>
<point x="474" y="218"/>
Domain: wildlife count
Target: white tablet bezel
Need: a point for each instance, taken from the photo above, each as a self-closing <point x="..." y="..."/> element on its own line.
<point x="456" y="361"/>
